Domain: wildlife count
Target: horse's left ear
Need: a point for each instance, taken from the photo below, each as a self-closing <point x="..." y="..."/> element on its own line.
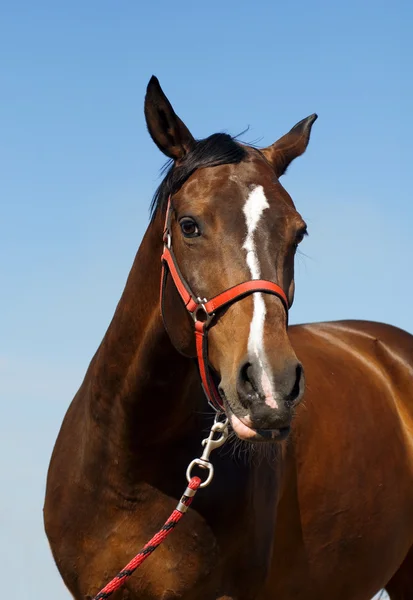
<point x="291" y="145"/>
<point x="169" y="133"/>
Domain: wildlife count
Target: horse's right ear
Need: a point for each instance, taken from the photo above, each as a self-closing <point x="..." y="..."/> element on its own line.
<point x="165" y="127"/>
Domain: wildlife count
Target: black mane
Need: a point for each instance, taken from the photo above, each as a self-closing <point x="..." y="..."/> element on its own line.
<point x="217" y="149"/>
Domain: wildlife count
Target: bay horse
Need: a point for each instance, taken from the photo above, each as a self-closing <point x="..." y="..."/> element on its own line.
<point x="317" y="503"/>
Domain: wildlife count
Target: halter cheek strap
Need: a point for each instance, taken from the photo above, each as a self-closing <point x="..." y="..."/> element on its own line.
<point x="203" y="311"/>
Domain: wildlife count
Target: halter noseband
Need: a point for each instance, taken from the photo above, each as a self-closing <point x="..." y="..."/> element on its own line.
<point x="202" y="310"/>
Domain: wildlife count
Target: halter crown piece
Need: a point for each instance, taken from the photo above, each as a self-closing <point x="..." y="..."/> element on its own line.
<point x="202" y="310"/>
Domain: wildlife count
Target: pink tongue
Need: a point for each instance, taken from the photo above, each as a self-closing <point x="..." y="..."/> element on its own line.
<point x="240" y="429"/>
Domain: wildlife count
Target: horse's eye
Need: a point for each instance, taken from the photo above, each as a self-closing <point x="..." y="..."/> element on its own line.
<point x="297" y="241"/>
<point x="300" y="236"/>
<point x="189" y="228"/>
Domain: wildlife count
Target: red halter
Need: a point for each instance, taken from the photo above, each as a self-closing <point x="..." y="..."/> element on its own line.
<point x="202" y="310"/>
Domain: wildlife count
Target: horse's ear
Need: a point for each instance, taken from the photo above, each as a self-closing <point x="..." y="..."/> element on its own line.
<point x="165" y="127"/>
<point x="291" y="145"/>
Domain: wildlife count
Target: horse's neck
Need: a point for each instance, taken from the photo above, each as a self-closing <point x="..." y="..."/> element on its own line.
<point x="137" y="378"/>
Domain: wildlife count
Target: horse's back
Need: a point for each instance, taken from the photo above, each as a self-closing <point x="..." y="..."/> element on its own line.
<point x="347" y="509"/>
<point x="355" y="331"/>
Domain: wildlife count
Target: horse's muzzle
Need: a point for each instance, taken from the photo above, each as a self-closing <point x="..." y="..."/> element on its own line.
<point x="263" y="406"/>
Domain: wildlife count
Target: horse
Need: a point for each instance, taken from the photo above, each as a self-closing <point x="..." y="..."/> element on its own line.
<point x="312" y="496"/>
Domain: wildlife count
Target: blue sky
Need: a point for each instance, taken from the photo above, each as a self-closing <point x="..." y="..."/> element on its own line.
<point x="78" y="170"/>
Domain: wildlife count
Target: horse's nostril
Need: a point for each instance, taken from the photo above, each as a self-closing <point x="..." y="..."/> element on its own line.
<point x="292" y="396"/>
<point x="246" y="384"/>
<point x="246" y="376"/>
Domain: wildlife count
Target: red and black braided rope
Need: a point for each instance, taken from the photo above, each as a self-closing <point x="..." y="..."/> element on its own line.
<point x="152" y="545"/>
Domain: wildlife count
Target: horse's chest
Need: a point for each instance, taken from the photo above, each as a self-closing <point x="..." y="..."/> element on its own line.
<point x="200" y="560"/>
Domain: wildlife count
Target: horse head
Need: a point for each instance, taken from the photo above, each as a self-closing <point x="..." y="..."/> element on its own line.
<point x="231" y="221"/>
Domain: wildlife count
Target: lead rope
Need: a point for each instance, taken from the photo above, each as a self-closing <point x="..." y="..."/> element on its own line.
<point x="194" y="484"/>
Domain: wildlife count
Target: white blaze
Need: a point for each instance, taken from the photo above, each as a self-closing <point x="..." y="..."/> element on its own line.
<point x="254" y="206"/>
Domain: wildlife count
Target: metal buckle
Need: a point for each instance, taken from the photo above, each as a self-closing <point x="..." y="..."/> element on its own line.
<point x="201" y="313"/>
<point x="167" y="239"/>
<point x="210" y="444"/>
